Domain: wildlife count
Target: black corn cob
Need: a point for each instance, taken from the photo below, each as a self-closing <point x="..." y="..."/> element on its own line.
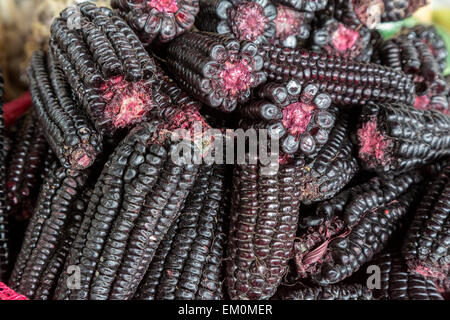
<point x="338" y="291"/>
<point x="426" y="248"/>
<point x="245" y="20"/>
<point x="304" y="5"/>
<point x="104" y="205"/>
<point x="4" y="255"/>
<point x="106" y="65"/>
<point x="332" y="169"/>
<point x="149" y="285"/>
<point x="292" y="27"/>
<point x="335" y="38"/>
<point x="123" y="288"/>
<point x="433" y="40"/>
<point x="398" y="284"/>
<point x="191" y="268"/>
<point x="347" y="81"/>
<point x="40" y="214"/>
<point x="348" y="230"/>
<point x="177" y="97"/>
<point x="54" y="268"/>
<point x="136" y="199"/>
<point x="158" y="19"/>
<point x="263" y="224"/>
<point x="355" y="13"/>
<point x="395" y="10"/>
<point x="301" y="115"/>
<point x="67" y="128"/>
<point x="47" y="233"/>
<point x="25" y="166"/>
<point x="215" y="69"/>
<point x="398" y="138"/>
<point x="407" y="53"/>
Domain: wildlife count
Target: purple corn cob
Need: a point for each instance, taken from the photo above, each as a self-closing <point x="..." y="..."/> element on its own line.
<point x="398" y="138"/>
<point x="398" y="284"/>
<point x="347" y="81"/>
<point x="215" y="69"/>
<point x="245" y="20"/>
<point x="302" y="116"/>
<point x="426" y="248"/>
<point x="338" y="291"/>
<point x="106" y="65"/>
<point x="264" y="219"/>
<point x="351" y="228"/>
<point x="160" y="20"/>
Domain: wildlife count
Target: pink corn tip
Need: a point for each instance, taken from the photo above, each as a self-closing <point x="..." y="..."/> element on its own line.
<point x="343" y="39"/>
<point x="7" y="293"/>
<point x="373" y="143"/>
<point x="369" y="11"/>
<point x="236" y="76"/>
<point x="428" y="272"/>
<point x="287" y="22"/>
<point x="422" y="102"/>
<point x="248" y="21"/>
<point x="127" y="102"/>
<point x="81" y="158"/>
<point x="166" y="6"/>
<point x="296" y="117"/>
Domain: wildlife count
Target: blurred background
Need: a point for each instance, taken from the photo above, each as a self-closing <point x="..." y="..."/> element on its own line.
<point x="24" y="27"/>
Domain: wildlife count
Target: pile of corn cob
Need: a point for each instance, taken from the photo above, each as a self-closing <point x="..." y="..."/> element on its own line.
<point x="94" y="205"/>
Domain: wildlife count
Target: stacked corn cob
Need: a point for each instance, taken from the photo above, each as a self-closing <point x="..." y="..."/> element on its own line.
<point x="357" y="124"/>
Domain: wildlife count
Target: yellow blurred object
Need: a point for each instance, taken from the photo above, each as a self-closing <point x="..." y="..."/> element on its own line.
<point x="24" y="28"/>
<point x="441" y="13"/>
<point x="424" y="14"/>
<point x="442" y="17"/>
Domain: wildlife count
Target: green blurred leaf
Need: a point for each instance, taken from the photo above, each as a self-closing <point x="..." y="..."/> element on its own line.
<point x="446" y="37"/>
<point x="389" y="29"/>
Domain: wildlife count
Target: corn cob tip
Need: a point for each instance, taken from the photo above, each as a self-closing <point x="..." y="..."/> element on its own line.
<point x="374" y="145"/>
<point x="292" y="26"/>
<point x="127" y="103"/>
<point x="158" y="20"/>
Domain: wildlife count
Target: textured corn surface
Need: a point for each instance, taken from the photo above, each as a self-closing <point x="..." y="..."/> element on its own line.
<point x="263" y="223"/>
<point x="332" y="292"/>
<point x="189" y="265"/>
<point x="332" y="169"/>
<point x="351" y="228"/>
<point x="430" y="36"/>
<point x="105" y="64"/>
<point x="67" y="128"/>
<point x="398" y="284"/>
<point x="426" y="248"/>
<point x="300" y="114"/>
<point x="216" y="69"/>
<point x="3" y="213"/>
<point x="395" y="10"/>
<point x="161" y="21"/>
<point x="336" y="38"/>
<point x="407" y="137"/>
<point x="347" y="81"/>
<point x="232" y="17"/>
<point x="357" y="13"/>
<point x="136" y="199"/>
<point x="408" y="53"/>
<point x="25" y="166"/>
<point x="305" y="5"/>
<point x="54" y="268"/>
<point x="47" y="228"/>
